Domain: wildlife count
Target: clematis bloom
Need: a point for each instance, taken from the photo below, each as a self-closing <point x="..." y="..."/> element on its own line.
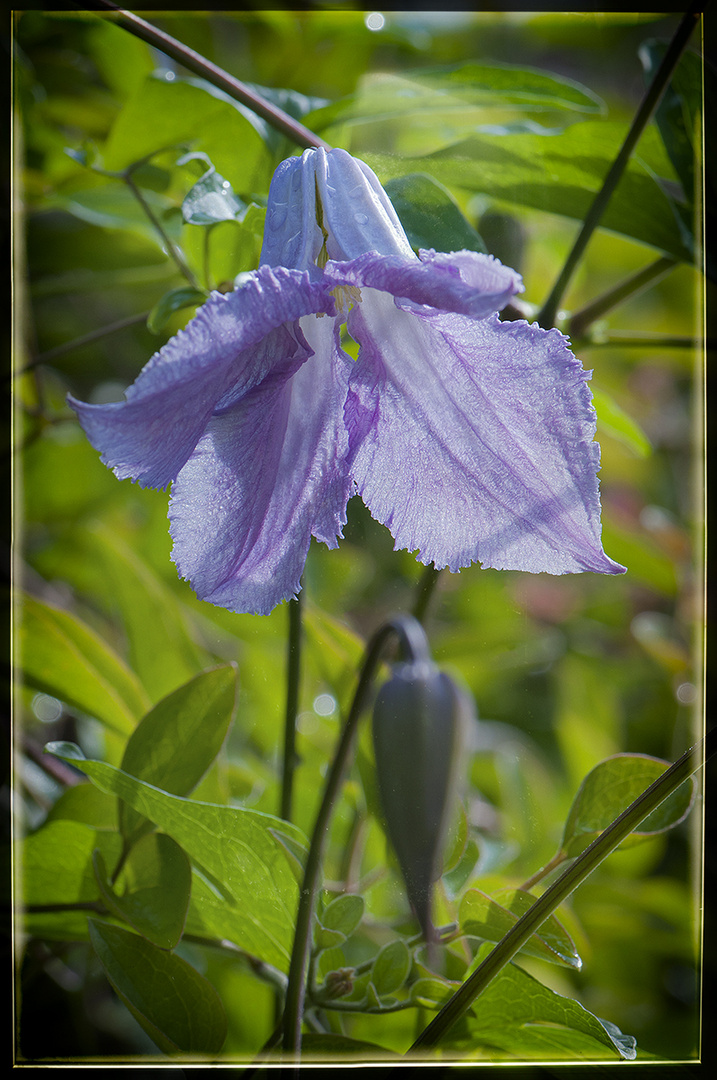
<point x="470" y="439"/>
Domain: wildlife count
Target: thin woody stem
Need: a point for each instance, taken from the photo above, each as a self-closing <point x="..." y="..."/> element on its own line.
<point x="559" y="891"/>
<point x="580" y="320"/>
<point x="293" y="679"/>
<point x="548" y="314"/>
<point x="196" y="63"/>
<point x="414" y="643"/>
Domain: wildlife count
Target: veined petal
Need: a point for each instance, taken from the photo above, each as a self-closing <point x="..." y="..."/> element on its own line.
<point x="269" y="472"/>
<point x="229" y="346"/>
<point x="465" y="281"/>
<point x="472" y="440"/>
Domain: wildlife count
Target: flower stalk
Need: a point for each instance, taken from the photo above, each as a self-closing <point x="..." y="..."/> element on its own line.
<point x="414" y="644"/>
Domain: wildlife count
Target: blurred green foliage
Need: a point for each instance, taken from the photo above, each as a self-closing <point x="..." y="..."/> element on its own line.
<point x="566" y="672"/>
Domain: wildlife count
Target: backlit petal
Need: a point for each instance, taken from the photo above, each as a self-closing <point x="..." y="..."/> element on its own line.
<point x="473" y="440"/>
<point x="269" y="472"/>
<point x="230" y="345"/>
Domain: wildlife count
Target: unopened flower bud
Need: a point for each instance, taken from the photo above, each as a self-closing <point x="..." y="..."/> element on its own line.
<point x="419" y="733"/>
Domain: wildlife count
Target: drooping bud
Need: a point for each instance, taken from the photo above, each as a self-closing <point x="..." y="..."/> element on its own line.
<point x="420" y="723"/>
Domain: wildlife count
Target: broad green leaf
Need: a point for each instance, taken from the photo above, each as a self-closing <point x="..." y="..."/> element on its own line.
<point x="122" y="58"/>
<point x="558" y="174"/>
<point x="182" y="112"/>
<point x="176" y="742"/>
<point x="172" y="301"/>
<point x="152" y="891"/>
<point x="609" y="789"/>
<point x="615" y="421"/>
<point x="457" y="98"/>
<point x="484" y="917"/>
<point x="520" y="1016"/>
<point x="391" y="967"/>
<point x="177" y="1007"/>
<point x="431" y="216"/>
<point x="160" y="645"/>
<point x="87" y="804"/>
<point x="249" y="887"/>
<point x="56" y="868"/>
<point x="63" y="657"/>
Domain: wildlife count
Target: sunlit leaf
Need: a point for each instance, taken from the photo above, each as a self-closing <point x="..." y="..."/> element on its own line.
<point x="176" y="742"/>
<point x="556" y="173"/>
<point x="57" y="869"/>
<point x="613" y="419"/>
<point x="250" y="889"/>
<point x="520" y="1016"/>
<point x="63" y="657"/>
<point x="152" y="891"/>
<point x="177" y="1007"/>
<point x="160" y="645"/>
<point x="609" y="789"/>
<point x="491" y="918"/>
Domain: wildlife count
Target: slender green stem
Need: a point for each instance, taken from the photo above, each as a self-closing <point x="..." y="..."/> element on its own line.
<point x="580" y="320"/>
<point x="196" y="63"/>
<point x="293" y="680"/>
<point x="547" y="315"/>
<point x="546" y="904"/>
<point x="172" y="248"/>
<point x="426" y="588"/>
<point x="415" y="646"/>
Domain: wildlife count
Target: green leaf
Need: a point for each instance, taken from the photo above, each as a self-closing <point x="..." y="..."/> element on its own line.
<point x="678" y="113"/>
<point x="483" y="916"/>
<point x="244" y="888"/>
<point x="184" y="112"/>
<point x="338" y="921"/>
<point x="430" y="992"/>
<point x="155" y="883"/>
<point x="174" y="300"/>
<point x="391" y="967"/>
<point x="343" y="914"/>
<point x="559" y="174"/>
<point x="616" y="422"/>
<point x="63" y="657"/>
<point x="176" y="742"/>
<point x="323" y="1047"/>
<point x="457" y="98"/>
<point x="609" y="789"/>
<point x="56" y="863"/>
<point x="160" y="645"/>
<point x="431" y="216"/>
<point x="112" y="205"/>
<point x="520" y="1016"/>
<point x="177" y="1007"/>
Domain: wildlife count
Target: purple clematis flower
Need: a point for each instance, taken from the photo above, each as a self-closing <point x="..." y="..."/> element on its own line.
<point x="471" y="439"/>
